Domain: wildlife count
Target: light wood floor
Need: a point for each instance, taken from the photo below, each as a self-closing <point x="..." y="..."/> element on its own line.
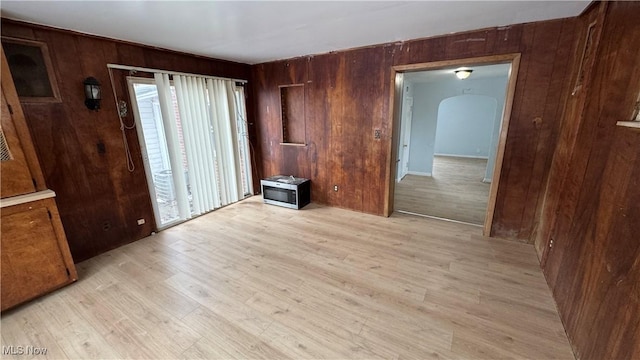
<point x="455" y="191"/>
<point x="259" y="281"/>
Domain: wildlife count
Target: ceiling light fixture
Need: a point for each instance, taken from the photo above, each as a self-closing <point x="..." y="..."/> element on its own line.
<point x="463" y="73"/>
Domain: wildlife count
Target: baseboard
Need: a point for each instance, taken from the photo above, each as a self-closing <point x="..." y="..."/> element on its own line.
<point x="401" y="178"/>
<point x="419" y="173"/>
<point x="463" y="156"/>
<point x="438" y="218"/>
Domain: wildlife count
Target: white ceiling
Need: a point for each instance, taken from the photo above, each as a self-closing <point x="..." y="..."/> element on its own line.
<point x="260" y="31"/>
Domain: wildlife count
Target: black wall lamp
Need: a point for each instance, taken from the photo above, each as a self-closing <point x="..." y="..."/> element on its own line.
<point x="92" y="93"/>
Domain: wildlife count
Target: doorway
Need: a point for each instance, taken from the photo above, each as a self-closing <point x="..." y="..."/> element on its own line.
<point x="194" y="160"/>
<point x="447" y="158"/>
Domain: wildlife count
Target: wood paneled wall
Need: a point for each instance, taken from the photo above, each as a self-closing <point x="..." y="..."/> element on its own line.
<point x="98" y="198"/>
<point x="347" y="99"/>
<point x="591" y="234"/>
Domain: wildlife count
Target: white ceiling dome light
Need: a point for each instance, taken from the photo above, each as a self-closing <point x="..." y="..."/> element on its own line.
<point x="463" y="73"/>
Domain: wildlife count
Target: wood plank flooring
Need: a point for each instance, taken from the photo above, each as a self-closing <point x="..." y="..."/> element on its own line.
<point x="455" y="191"/>
<point x="256" y="281"/>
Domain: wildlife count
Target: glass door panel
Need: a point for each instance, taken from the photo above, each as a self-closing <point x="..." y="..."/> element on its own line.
<point x="154" y="151"/>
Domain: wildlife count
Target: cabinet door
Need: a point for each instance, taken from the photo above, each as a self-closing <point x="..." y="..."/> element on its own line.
<point x="32" y="260"/>
<point x="16" y="176"/>
<point x="14" y="171"/>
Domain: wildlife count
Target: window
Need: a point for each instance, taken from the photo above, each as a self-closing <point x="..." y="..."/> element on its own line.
<point x="31" y="70"/>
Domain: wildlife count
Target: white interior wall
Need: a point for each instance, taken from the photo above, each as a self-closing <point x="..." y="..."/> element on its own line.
<point x="426" y="100"/>
<point x="465" y="126"/>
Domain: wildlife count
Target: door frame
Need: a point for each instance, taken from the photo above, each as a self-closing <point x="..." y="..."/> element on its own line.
<point x="395" y="109"/>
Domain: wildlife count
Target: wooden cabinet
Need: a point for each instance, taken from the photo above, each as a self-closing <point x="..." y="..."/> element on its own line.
<point x="17" y="177"/>
<point x="35" y="256"/>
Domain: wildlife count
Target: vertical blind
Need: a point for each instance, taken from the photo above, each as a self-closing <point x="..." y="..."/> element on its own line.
<point x="204" y="134"/>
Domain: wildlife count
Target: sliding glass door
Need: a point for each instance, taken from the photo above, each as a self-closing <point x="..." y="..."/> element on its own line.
<point x="194" y="141"/>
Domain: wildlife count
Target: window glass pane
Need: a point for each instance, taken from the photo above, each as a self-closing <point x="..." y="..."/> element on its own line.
<point x="157" y="152"/>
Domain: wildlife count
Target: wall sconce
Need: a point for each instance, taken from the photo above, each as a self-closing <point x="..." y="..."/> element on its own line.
<point x="463" y="73"/>
<point x="92" y="93"/>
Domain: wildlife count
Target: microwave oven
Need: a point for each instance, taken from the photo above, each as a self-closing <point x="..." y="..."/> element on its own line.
<point x="287" y="191"/>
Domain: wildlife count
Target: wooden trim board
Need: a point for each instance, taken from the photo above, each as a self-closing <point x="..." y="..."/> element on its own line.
<point x="26" y="198"/>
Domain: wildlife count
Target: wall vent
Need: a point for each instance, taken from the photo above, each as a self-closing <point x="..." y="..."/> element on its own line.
<point x="5" y="155"/>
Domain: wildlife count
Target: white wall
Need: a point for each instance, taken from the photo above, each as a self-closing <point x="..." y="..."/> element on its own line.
<point x="426" y="101"/>
<point x="465" y="126"/>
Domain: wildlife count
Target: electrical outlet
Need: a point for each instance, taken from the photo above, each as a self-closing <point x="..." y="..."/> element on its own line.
<point x="141" y="221"/>
<point x="335" y="187"/>
<point x="377" y="134"/>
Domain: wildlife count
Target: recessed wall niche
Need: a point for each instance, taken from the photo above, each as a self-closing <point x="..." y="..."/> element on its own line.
<point x="31" y="70"/>
<point x="292" y="114"/>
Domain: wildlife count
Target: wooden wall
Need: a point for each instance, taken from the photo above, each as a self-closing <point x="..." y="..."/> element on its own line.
<point x="98" y="198"/>
<point x="590" y="240"/>
<point x="347" y="99"/>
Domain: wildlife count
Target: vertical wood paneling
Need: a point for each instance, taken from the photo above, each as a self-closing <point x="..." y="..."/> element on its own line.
<point x="376" y="157"/>
<point x="550" y="131"/>
<point x="591" y="207"/>
<point x="337" y="141"/>
<point x="322" y="70"/>
<point x="279" y="159"/>
<point x="531" y="137"/>
<point x="571" y="118"/>
<point x="99" y="199"/>
<point x="515" y="167"/>
<point x="131" y="55"/>
<point x="348" y="98"/>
